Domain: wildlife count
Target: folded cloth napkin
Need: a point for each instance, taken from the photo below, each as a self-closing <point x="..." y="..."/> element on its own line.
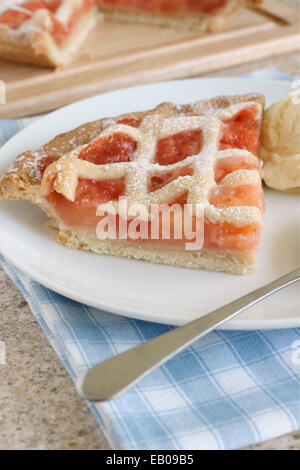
<point x="226" y="391"/>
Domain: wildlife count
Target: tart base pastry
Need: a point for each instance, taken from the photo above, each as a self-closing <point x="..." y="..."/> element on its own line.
<point x="204" y="154"/>
<point x="211" y="260"/>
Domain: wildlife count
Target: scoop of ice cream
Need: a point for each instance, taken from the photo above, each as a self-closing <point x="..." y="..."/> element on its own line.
<point x="280" y="143"/>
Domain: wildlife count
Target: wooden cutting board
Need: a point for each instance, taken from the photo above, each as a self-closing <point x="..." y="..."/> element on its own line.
<point x="121" y="55"/>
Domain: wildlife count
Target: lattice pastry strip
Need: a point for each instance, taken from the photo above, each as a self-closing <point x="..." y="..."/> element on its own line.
<point x="64" y="173"/>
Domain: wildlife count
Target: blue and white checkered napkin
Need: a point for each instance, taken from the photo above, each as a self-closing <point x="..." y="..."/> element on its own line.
<point x="226" y="391"/>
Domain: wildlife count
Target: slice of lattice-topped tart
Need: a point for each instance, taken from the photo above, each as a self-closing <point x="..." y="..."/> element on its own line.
<point x="44" y="32"/>
<point x="177" y="185"/>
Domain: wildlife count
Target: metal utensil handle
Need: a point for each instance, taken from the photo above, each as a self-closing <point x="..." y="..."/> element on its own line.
<point x="117" y="374"/>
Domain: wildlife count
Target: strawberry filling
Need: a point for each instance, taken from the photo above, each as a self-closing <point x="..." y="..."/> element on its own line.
<point x="178" y="147"/>
<point x="60" y="32"/>
<point x="176" y="7"/>
<point x="116" y="148"/>
<point x="120" y="147"/>
<point x="90" y="193"/>
<point x="246" y="195"/>
<point x="225" y="166"/>
<point x="241" y="131"/>
<point x="159" y="181"/>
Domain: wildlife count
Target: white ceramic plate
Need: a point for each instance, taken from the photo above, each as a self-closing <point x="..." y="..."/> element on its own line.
<point x="135" y="288"/>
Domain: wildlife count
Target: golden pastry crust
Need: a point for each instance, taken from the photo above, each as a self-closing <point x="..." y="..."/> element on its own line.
<point x="23" y="181"/>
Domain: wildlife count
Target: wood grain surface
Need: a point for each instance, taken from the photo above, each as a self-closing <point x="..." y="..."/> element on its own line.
<point x="117" y="55"/>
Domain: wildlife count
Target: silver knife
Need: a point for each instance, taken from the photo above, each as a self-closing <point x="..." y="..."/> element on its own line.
<point x="114" y="376"/>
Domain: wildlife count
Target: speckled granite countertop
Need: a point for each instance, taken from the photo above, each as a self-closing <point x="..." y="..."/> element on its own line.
<point x="40" y="408"/>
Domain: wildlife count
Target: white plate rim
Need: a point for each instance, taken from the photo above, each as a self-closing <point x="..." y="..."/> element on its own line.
<point x="235" y="324"/>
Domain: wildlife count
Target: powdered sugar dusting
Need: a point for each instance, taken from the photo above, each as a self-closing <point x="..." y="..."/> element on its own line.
<point x="30" y="164"/>
<point x="154" y="127"/>
<point x="108" y="123"/>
